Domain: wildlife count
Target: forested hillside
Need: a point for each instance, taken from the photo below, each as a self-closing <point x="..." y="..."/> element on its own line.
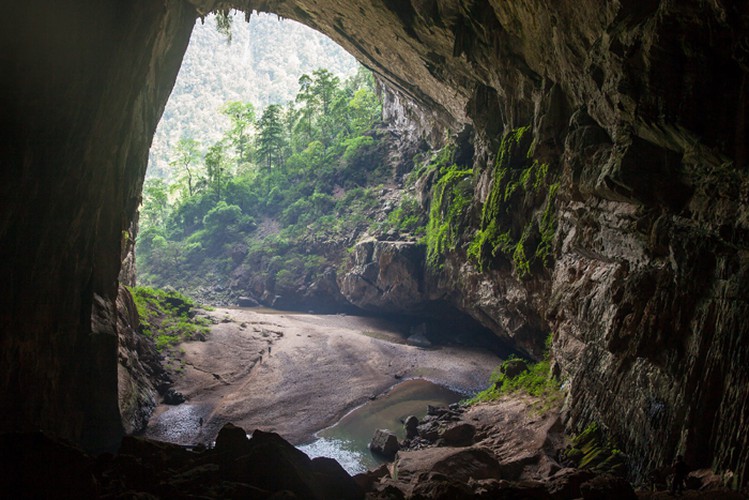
<point x="260" y="63"/>
<point x="271" y="207"/>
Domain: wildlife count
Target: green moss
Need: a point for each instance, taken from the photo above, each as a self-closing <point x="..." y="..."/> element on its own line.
<point x="536" y="381"/>
<point x="593" y="449"/>
<point x="167" y="316"/>
<point x="451" y="195"/>
<point x="518" y="218"/>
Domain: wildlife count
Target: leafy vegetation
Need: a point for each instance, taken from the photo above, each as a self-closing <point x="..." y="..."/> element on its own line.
<point x="521" y="185"/>
<point x="593" y="449"/>
<point x="167" y="316"/>
<point x="452" y="192"/>
<point x="261" y="65"/>
<point x="535" y="380"/>
<point x="271" y="193"/>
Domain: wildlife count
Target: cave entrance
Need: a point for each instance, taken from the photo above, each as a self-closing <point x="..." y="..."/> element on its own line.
<point x="260" y="204"/>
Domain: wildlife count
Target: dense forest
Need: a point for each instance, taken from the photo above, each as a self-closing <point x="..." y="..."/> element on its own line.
<point x="270" y="201"/>
<point x="258" y="62"/>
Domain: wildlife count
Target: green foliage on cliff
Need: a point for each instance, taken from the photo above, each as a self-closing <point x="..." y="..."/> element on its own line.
<point x="272" y="194"/>
<point x="518" y="218"/>
<point x="167" y="316"/>
<point x="452" y="192"/>
<point x="536" y="381"/>
<point x="593" y="449"/>
<point x="407" y="218"/>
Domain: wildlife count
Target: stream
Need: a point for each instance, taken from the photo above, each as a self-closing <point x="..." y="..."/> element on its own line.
<point x="347" y="441"/>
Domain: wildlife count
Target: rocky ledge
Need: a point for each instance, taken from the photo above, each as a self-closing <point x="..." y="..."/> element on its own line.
<point x="512" y="448"/>
<point x="506" y="449"/>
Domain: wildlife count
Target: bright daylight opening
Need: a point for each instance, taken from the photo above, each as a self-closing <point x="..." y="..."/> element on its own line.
<point x="271" y="177"/>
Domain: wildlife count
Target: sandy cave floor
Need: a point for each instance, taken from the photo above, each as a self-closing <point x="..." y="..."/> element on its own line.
<point x="296" y="374"/>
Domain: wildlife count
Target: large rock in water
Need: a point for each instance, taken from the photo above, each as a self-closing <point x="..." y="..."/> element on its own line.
<point x="384" y="443"/>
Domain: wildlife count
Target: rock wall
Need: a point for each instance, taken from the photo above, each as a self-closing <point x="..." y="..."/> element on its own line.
<point x="82" y="87"/>
<point x="640" y="108"/>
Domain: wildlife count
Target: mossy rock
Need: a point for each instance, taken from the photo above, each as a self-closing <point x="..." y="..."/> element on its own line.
<point x="513" y="367"/>
<point x="594" y="450"/>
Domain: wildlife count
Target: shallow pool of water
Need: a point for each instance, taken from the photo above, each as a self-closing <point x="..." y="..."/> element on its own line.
<point x="348" y="440"/>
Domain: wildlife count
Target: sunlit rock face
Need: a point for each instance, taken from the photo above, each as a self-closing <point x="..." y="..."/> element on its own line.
<point x="639" y="107"/>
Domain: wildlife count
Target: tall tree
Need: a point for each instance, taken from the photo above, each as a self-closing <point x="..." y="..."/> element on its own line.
<point x="271" y="140"/>
<point x="325" y="86"/>
<point x="186" y="158"/>
<point x="216" y="168"/>
<point x="308" y="101"/>
<point x="326" y="89"/>
<point x="242" y="116"/>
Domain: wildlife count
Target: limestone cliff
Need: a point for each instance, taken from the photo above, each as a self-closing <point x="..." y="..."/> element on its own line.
<point x="83" y="86"/>
<point x="639" y="109"/>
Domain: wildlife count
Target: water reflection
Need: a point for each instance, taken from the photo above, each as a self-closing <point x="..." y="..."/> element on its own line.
<point x="348" y="440"/>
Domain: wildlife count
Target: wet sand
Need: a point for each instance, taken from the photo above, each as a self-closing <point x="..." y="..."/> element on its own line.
<point x="296" y="374"/>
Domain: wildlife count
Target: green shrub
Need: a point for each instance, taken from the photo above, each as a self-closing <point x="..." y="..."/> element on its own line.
<point x="167" y="316"/>
<point x="536" y="381"/>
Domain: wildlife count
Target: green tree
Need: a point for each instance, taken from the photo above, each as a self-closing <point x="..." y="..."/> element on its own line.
<point x="325" y="87"/>
<point x="186" y="158"/>
<point x="242" y="116"/>
<point x="155" y="203"/>
<point x="365" y="110"/>
<point x="216" y="166"/>
<point x="308" y="101"/>
<point x="271" y="140"/>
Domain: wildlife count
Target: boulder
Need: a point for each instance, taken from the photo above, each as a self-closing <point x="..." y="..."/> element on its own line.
<point x="428" y="431"/>
<point x="231" y="440"/>
<point x="566" y="483"/>
<point x="458" y="435"/>
<point x="269" y="462"/>
<point x="412" y="425"/>
<point x="366" y="480"/>
<point x="385" y="276"/>
<point x="493" y="488"/>
<point x="436" y="485"/>
<point x="460" y="464"/>
<point x="384" y="443"/>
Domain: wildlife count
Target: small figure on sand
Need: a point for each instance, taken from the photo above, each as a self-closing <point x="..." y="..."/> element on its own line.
<point x="200" y="422"/>
<point x="269" y="347"/>
<point x="680" y="470"/>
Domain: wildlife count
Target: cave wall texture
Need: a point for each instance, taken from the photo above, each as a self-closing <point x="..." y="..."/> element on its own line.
<point x="639" y="106"/>
<point x="83" y="86"/>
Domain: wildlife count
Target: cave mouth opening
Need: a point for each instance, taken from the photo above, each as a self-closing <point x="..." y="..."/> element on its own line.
<point x="216" y="260"/>
<point x="231" y="73"/>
